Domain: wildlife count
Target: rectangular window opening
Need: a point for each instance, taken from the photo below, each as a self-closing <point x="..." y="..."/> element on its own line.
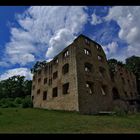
<point x="87" y="41"/>
<point x="55" y="75"/>
<point x="55" y="61"/>
<point x="66" y="88"/>
<point x="65" y="69"/>
<point x="32" y="98"/>
<point x="45" y="80"/>
<point x="39" y="80"/>
<point x="44" y="95"/>
<point x="88" y="67"/>
<point x="54" y="92"/>
<point x="126" y="95"/>
<point x="66" y="54"/>
<point x="38" y="91"/>
<point x="104" y="89"/>
<point x="100" y="58"/>
<point x="98" y="47"/>
<point x="87" y="52"/>
<point x="89" y="86"/>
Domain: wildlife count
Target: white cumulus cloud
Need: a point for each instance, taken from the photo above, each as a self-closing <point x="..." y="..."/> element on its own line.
<point x="111" y="49"/>
<point x="17" y="71"/>
<point x="58" y="42"/>
<point x="44" y="30"/>
<point x="95" y="19"/>
<point x="127" y="17"/>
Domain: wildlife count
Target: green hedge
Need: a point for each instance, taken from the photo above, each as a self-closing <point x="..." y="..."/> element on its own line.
<point x="16" y="102"/>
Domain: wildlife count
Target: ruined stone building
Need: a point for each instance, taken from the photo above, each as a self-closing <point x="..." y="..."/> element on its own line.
<point x="78" y="79"/>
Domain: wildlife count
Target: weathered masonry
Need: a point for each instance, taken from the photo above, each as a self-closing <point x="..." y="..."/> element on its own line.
<point x="78" y="79"/>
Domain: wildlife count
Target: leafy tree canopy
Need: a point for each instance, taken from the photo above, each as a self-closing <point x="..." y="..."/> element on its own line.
<point x="38" y="65"/>
<point x="15" y="86"/>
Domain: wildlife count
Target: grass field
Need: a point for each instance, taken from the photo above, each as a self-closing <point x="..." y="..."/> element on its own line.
<point x="19" y="120"/>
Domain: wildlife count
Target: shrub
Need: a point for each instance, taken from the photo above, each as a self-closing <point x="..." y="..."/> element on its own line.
<point x="7" y="102"/>
<point x="18" y="100"/>
<point x="27" y="102"/>
<point x="2" y="101"/>
<point x="12" y="104"/>
<point x="119" y="111"/>
<point x="4" y="105"/>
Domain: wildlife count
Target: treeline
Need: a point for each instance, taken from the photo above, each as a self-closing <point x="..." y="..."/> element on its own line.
<point x="15" y="92"/>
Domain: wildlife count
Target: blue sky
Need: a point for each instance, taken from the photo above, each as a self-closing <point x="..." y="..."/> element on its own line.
<point x="35" y="33"/>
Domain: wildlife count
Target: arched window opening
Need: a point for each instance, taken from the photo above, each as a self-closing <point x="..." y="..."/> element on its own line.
<point x="115" y="93"/>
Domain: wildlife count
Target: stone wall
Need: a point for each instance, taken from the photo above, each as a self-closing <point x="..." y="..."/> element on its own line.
<point x="97" y="101"/>
<point x="61" y="102"/>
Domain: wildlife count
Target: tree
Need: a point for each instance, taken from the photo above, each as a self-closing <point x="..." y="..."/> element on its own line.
<point x="37" y="66"/>
<point x="27" y="87"/>
<point x="15" y="86"/>
<point x="133" y="64"/>
<point x="112" y="64"/>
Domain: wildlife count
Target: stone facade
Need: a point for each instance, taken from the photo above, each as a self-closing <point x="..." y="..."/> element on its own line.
<point x="64" y="101"/>
<point x="125" y="83"/>
<point x="78" y="79"/>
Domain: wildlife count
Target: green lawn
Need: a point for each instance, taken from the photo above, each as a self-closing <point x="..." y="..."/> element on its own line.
<point x="18" y="120"/>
